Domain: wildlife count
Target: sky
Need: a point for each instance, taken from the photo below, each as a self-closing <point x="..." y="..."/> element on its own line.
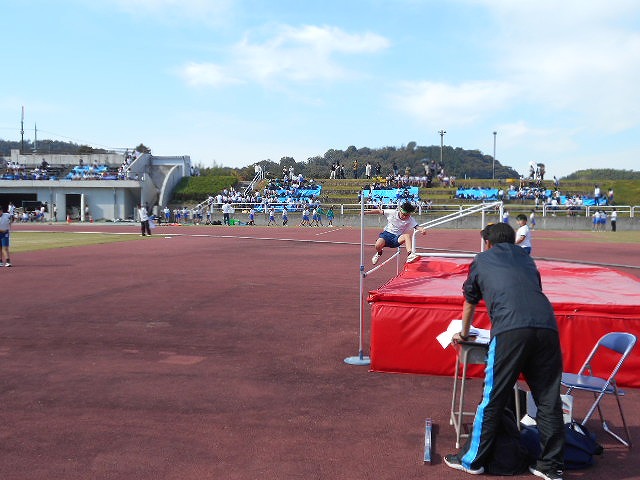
<point x="234" y="82"/>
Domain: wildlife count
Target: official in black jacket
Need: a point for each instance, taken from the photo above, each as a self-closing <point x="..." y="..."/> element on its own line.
<point x="524" y="340"/>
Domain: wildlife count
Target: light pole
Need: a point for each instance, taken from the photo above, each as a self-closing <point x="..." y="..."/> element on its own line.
<point x="441" y="132"/>
<point x="494" y="154"/>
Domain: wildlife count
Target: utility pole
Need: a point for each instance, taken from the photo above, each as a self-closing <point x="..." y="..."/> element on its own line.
<point x="22" y="131"/>
<point x="441" y="132"/>
<point x="494" y="154"/>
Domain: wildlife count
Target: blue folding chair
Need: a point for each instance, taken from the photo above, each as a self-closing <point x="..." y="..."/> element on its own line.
<point x="621" y="344"/>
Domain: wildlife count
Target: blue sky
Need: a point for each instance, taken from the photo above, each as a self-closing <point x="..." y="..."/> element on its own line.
<point x="239" y="81"/>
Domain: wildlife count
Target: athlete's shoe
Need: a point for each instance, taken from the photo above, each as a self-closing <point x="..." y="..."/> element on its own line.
<point x="454" y="462"/>
<point x="7" y="264"/>
<point x="375" y="258"/>
<point x="412" y="257"/>
<point x="547" y="475"/>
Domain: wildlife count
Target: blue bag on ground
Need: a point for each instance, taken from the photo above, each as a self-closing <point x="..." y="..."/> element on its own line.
<point x="579" y="448"/>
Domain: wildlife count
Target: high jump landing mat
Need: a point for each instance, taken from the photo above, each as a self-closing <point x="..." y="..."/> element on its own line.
<point x="413" y="308"/>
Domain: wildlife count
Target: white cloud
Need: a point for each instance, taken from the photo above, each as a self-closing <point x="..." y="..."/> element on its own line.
<point x="573" y="56"/>
<point x="206" y="74"/>
<point x="289" y="54"/>
<point x="438" y="104"/>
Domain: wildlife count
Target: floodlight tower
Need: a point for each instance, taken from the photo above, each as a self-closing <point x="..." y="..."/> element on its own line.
<point x="441" y="132"/>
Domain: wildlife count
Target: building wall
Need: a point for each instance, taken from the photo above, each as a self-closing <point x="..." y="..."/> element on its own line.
<point x="153" y="179"/>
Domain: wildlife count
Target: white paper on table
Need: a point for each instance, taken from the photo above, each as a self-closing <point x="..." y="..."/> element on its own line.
<point x="482" y="335"/>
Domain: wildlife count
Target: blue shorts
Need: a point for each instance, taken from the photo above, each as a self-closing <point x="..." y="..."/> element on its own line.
<point x="4" y="239"/>
<point x="390" y="240"/>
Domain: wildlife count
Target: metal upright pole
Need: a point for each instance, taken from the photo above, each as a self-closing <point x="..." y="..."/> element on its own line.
<point x="361" y="359"/>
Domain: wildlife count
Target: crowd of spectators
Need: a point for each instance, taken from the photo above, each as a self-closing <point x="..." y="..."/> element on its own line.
<point x="16" y="171"/>
<point x="534" y="190"/>
<point x="291" y="191"/>
<point x="434" y="174"/>
<point x="94" y="171"/>
<point x="44" y="171"/>
<point x="24" y="215"/>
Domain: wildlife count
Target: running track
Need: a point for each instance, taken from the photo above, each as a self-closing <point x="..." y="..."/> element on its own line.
<point x="217" y="353"/>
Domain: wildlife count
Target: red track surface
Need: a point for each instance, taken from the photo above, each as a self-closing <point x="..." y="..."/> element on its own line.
<point x="221" y="357"/>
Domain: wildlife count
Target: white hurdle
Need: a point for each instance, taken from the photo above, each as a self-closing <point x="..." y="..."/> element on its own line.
<point x="481" y="208"/>
<point x="361" y="359"/>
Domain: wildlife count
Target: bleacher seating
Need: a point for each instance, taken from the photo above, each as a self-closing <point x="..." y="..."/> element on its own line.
<point x="98" y="172"/>
<point x="388" y="196"/>
<point x="294" y="199"/>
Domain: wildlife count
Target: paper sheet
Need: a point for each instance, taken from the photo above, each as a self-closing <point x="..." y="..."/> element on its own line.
<point x="482" y="335"/>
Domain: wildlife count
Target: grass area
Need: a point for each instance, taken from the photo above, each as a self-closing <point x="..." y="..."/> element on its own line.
<point x="31" y="241"/>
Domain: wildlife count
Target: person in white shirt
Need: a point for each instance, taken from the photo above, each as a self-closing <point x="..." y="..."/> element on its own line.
<point x="143" y="215"/>
<point x="532" y="219"/>
<point x="5" y="229"/>
<point x="399" y="231"/>
<point x="614" y="219"/>
<point x="523" y="234"/>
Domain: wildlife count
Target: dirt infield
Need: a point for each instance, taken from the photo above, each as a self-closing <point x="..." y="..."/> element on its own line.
<point x="217" y="353"/>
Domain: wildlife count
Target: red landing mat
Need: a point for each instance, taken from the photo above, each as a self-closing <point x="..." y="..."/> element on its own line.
<point x="411" y="309"/>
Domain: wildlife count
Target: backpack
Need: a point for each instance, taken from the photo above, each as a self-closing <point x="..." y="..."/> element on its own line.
<point x="579" y="448"/>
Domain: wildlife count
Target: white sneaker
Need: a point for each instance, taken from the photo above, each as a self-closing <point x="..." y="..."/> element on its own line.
<point x="375" y="258"/>
<point x="412" y="257"/>
<point x="7" y="264"/>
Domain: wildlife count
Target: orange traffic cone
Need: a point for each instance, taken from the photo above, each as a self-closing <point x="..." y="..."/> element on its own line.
<point x="68" y="218"/>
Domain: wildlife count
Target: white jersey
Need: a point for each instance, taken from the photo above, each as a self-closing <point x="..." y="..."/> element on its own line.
<point x="397" y="225"/>
<point x="524" y="231"/>
<point x="5" y="222"/>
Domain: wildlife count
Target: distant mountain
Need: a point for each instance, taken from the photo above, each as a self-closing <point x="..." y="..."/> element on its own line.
<point x="604" y="174"/>
<point x="47" y="147"/>
<point x="458" y="162"/>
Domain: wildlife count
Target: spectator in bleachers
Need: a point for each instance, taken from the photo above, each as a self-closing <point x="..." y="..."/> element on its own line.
<point x="367" y="170"/>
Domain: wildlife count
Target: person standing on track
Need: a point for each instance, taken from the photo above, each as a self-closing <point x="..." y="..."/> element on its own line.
<point x="524" y="340"/>
<point x="6" y="219"/>
<point x="523" y="234"/>
<point x="143" y="215"/>
<point x="399" y="231"/>
<point x="330" y="216"/>
<point x="272" y="217"/>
